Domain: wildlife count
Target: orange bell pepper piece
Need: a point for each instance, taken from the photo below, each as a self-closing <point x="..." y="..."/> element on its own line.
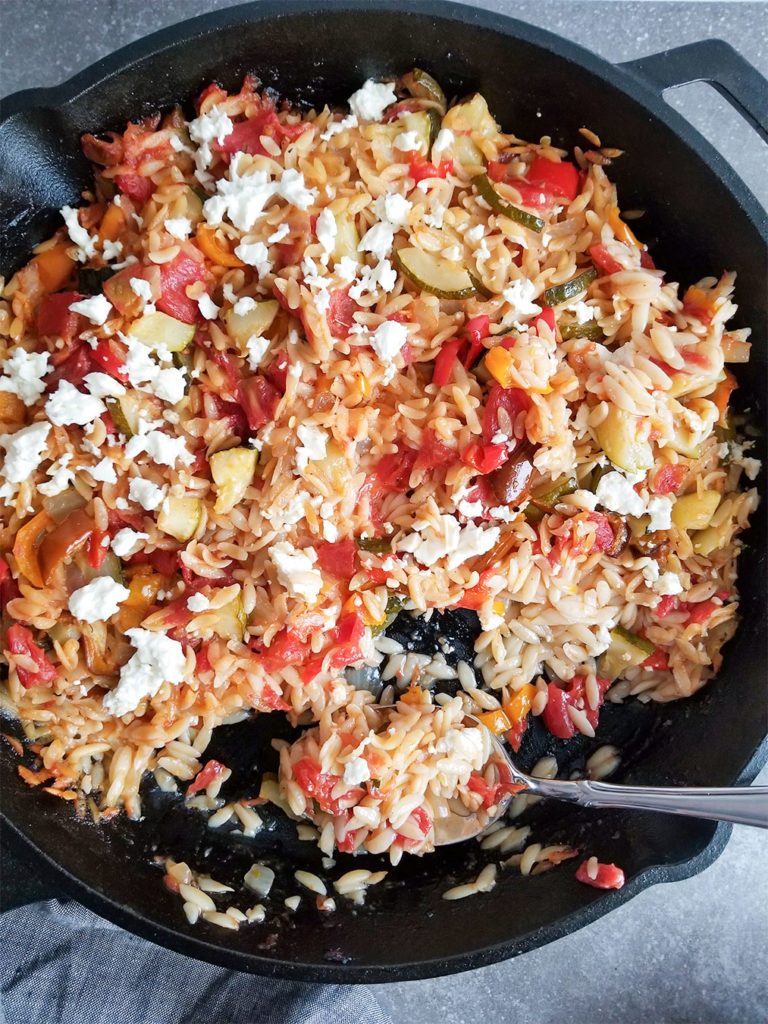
<point x="54" y="267"/>
<point x="519" y="704"/>
<point x="26" y="544"/>
<point x="621" y="231"/>
<point x="112" y="223"/>
<point x="499" y="364"/>
<point x="496" y="721"/>
<point x="722" y="397"/>
<point x="208" y="241"/>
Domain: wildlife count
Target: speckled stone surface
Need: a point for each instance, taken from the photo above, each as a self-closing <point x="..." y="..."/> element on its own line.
<point x="693" y="951"/>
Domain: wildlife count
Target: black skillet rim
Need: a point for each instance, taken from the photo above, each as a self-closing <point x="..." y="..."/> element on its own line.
<point x="625" y="81"/>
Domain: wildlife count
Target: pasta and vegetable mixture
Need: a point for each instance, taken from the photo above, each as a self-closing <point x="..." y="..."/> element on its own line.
<point x="285" y="375"/>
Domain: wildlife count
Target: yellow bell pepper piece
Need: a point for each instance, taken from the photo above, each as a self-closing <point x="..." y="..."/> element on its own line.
<point x="112" y="223"/>
<point x="208" y="241"/>
<point x="500" y="366"/>
<point x="496" y="721"/>
<point x="519" y="704"/>
<point x="620" y="229"/>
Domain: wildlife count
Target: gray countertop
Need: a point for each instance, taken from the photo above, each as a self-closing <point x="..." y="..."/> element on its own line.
<point x="693" y="951"/>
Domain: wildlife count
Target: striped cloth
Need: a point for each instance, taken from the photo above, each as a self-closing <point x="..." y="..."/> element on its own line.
<point x="61" y="964"/>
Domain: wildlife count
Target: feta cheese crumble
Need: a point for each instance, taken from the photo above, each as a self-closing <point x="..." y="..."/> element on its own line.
<point x="100" y="599"/>
<point x="615" y="492"/>
<point x="198" y="603"/>
<point x="86" y="244"/>
<point x="97" y="308"/>
<point x="127" y="542"/>
<point x="314" y="441"/>
<point x="453" y="542"/>
<point x="371" y="100"/>
<point x="520" y="295"/>
<point x="255" y="254"/>
<point x="208" y="307"/>
<point x="69" y="407"/>
<point x="147" y="494"/>
<point x="179" y="227"/>
<point x="158" y="659"/>
<point x="101" y="385"/>
<point x="255" y="349"/>
<point x="296" y="572"/>
<point x="23" y="374"/>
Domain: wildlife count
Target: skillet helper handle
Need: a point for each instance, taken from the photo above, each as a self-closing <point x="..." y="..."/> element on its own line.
<point x="713" y="61"/>
<point x="745" y="805"/>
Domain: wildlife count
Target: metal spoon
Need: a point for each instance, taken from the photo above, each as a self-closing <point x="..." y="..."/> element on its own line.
<point x="743" y="805"/>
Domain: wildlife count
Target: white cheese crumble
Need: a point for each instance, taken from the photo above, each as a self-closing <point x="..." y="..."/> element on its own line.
<point x="393" y="208"/>
<point x="582" y="311"/>
<point x="60" y="477"/>
<point x="388" y="339"/>
<point x="314" y="441"/>
<point x="520" y="295"/>
<point x="336" y="127"/>
<point x="147" y="494"/>
<point x="144" y="374"/>
<point x="668" y="583"/>
<point x="143" y="289"/>
<point x="101" y="385"/>
<point x="615" y="492"/>
<point x="407" y="142"/>
<point x="110" y="249"/>
<point x="158" y="659"/>
<point x="98" y="600"/>
<point x="356" y="771"/>
<point x="198" y="603"/>
<point x="326" y="230"/>
<point x="97" y="308"/>
<point x="103" y="472"/>
<point x="215" y="125"/>
<point x="660" y="510"/>
<point x="244" y="305"/>
<point x="67" y="406"/>
<point x="23" y="374"/>
<point x="256" y="348"/>
<point x="371" y="100"/>
<point x="378" y="240"/>
<point x="242" y="198"/>
<point x="208" y="307"/>
<point x="161" y="448"/>
<point x="296" y="572"/>
<point x="453" y="542"/>
<point x="255" y="254"/>
<point x="127" y="542"/>
<point x="179" y="227"/>
<point x="86" y="244"/>
<point x="444" y="140"/>
<point x="372" y="279"/>
<point x="279" y="234"/>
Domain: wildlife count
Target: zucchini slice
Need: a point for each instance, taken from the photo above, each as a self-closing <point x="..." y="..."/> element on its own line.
<point x="435" y="274"/>
<point x="695" y="511"/>
<point x="565" y="485"/>
<point x="570" y="289"/>
<point x="626" y="650"/>
<point x="232" y="471"/>
<point x="617" y="435"/>
<point x="347" y="238"/>
<point x="156" y="329"/>
<point x="128" y="410"/>
<point x="422" y="86"/>
<point x="180" y="517"/>
<point x="242" y="326"/>
<point x="485" y="188"/>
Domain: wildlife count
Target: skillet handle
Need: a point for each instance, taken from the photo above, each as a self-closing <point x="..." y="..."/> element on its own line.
<point x="713" y="61"/>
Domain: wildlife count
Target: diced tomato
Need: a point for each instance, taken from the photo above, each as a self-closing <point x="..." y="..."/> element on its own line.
<point x="444" y="362"/>
<point x="5" y="571"/>
<point x="202" y="661"/>
<point x="421" y="168"/>
<point x="259" y="400"/>
<point x="109" y="360"/>
<point x="9" y="588"/>
<point x="54" y="318"/>
<point x="339" y="558"/>
<point x="96" y="549"/>
<point x="604" y="535"/>
<point x="560" y="695"/>
<point x="658" y="661"/>
<point x="182" y="271"/>
<point x="483" y="492"/>
<point x="697" y="358"/>
<point x="668" y="604"/>
<point x="475" y="597"/>
<point x="20" y="641"/>
<point x="376" y="575"/>
<point x="393" y="472"/>
<point x="238" y="422"/>
<point x="349" y="842"/>
<point x="316" y="784"/>
<point x="212" y="770"/>
<point x="701" y="611"/>
<point x="603" y="260"/>
<point x="349" y="629"/>
<point x="668" y="479"/>
<point x="246" y="136"/>
<point x="490" y="794"/>
<point x="287" y="649"/>
<point x="136" y="186"/>
<point x="512" y="400"/>
<point x="433" y="454"/>
<point x="214" y="91"/>
<point x="224" y="361"/>
<point x="646" y="260"/>
<point x="72" y="369"/>
<point x="608" y="876"/>
<point x="307" y="624"/>
<point x="340" y="314"/>
<point x="277" y="371"/>
<point x="311" y="669"/>
<point x="162" y="560"/>
<point x="424" y="823"/>
<point x="345" y="654"/>
<point x="560" y="179"/>
<point x="484" y="457"/>
<point x="547" y="316"/>
<point x="273" y="700"/>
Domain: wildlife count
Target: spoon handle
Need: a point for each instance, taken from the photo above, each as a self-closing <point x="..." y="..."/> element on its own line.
<point x="747" y="805"/>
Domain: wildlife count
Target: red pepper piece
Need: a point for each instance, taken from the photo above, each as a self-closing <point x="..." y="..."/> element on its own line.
<point x="340" y="314"/>
<point x="175" y="277"/>
<point x="54" y="318"/>
<point x="484" y="457"/>
<point x="444" y="362"/>
<point x="603" y="260"/>
<point x="96" y="550"/>
<point x="20" y="641"/>
<point x="339" y="558"/>
<point x="259" y="400"/>
<point x="212" y="770"/>
<point x="421" y="168"/>
<point x="136" y="186"/>
<point x="608" y="876"/>
<point x="107" y="359"/>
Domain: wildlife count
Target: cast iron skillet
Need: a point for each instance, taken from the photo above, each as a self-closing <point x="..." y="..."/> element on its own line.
<point x="700" y="219"/>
